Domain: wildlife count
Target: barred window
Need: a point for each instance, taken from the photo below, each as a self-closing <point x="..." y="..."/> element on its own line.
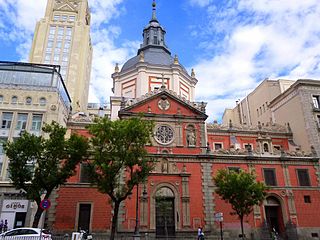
<point x="303" y="177"/>
<point x="270" y="177"/>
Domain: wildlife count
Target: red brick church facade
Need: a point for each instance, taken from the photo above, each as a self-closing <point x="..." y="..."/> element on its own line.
<point x="189" y="153"/>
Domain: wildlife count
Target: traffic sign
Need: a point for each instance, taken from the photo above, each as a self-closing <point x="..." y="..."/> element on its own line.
<point x="218" y="217"/>
<point x="45" y="204"/>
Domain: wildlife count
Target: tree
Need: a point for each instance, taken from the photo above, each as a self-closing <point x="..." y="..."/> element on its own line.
<point x="241" y="190"/>
<point x="119" y="158"/>
<point x="38" y="165"/>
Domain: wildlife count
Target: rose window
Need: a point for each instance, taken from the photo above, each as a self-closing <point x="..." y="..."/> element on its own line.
<point x="164" y="134"/>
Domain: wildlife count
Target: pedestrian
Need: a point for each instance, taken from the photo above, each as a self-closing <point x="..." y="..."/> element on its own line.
<point x="200" y="233"/>
<point x="1" y="226"/>
<point x="5" y="225"/>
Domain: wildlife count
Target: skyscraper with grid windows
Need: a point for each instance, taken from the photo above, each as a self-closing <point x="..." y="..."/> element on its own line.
<point x="62" y="38"/>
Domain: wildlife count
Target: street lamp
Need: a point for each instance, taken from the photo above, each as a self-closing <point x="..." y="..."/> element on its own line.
<point x="136" y="235"/>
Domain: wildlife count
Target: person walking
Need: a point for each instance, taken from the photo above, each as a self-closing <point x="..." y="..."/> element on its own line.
<point x="200" y="234"/>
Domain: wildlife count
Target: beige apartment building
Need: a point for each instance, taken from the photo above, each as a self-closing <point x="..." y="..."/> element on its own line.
<point x="62" y="38"/>
<point x="254" y="107"/>
<point x="30" y="95"/>
<point x="295" y="104"/>
<point x="300" y="107"/>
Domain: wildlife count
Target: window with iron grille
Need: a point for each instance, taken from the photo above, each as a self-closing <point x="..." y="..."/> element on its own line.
<point x="270" y="177"/>
<point x="303" y="177"/>
<point x="84" y="173"/>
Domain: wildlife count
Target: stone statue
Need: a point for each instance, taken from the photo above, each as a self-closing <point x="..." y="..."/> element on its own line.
<point x="191" y="138"/>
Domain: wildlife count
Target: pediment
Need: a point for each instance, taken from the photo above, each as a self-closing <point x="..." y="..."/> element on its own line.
<point x="164" y="102"/>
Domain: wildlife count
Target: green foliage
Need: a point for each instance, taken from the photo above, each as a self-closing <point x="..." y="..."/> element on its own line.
<point x="119" y="158"/>
<point x="240" y="190"/>
<point x="119" y="147"/>
<point x="39" y="165"/>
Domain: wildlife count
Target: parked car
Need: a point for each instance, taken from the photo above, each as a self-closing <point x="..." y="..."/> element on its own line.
<point x="25" y="234"/>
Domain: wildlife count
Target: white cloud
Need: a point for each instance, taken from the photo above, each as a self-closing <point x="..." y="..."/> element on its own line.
<point x="264" y="38"/>
<point x="201" y="3"/>
<point x="18" y="21"/>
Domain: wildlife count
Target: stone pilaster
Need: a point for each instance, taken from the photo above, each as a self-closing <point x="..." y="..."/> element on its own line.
<point x="143" y="209"/>
<point x="208" y="199"/>
<point x="185" y="201"/>
<point x="179" y="134"/>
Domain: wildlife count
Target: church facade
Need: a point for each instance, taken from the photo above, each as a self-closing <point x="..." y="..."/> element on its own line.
<point x="189" y="152"/>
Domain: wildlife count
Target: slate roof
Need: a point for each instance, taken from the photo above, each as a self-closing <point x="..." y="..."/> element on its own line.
<point x="155" y="56"/>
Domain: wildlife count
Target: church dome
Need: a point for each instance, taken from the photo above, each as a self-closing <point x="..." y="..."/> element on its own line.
<point x="154" y="49"/>
<point x="153" y="56"/>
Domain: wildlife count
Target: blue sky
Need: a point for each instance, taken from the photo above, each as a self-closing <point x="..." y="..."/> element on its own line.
<point x="232" y="44"/>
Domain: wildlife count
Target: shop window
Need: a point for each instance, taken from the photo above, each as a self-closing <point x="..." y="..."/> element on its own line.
<point x="303" y="177"/>
<point x="307" y="199"/>
<point x="270" y="177"/>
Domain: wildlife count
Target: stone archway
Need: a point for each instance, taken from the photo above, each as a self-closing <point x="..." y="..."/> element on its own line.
<point x="165" y="194"/>
<point x="165" y="209"/>
<point x="274" y="215"/>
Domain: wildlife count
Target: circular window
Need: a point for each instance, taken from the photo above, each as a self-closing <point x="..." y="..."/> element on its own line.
<point x="164" y="134"/>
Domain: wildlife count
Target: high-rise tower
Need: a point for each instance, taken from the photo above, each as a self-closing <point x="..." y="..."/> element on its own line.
<point x="62" y="37"/>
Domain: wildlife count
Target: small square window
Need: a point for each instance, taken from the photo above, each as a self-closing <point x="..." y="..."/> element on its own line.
<point x="248" y="147"/>
<point x="72" y="18"/>
<point x="64" y="18"/>
<point x="234" y="169"/>
<point x="307" y="199"/>
<point x="56" y="17"/>
<point x="217" y="146"/>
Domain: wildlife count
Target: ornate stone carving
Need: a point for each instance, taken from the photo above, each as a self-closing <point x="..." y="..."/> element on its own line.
<point x="164" y="134"/>
<point x="191" y="137"/>
<point x="164" y="104"/>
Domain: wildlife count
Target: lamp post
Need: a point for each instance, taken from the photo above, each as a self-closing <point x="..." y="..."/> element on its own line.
<point x="136" y="235"/>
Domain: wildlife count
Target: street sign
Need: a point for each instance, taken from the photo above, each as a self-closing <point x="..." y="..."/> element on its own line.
<point x="45" y="204"/>
<point x="218" y="217"/>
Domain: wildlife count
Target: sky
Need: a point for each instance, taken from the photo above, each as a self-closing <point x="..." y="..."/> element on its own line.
<point x="232" y="45"/>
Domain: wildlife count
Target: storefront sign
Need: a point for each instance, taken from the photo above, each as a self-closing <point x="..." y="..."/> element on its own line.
<point x="15" y="205"/>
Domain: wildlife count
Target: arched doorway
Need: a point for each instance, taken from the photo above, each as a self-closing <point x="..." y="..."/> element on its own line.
<point x="165" y="220"/>
<point x="274" y="216"/>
